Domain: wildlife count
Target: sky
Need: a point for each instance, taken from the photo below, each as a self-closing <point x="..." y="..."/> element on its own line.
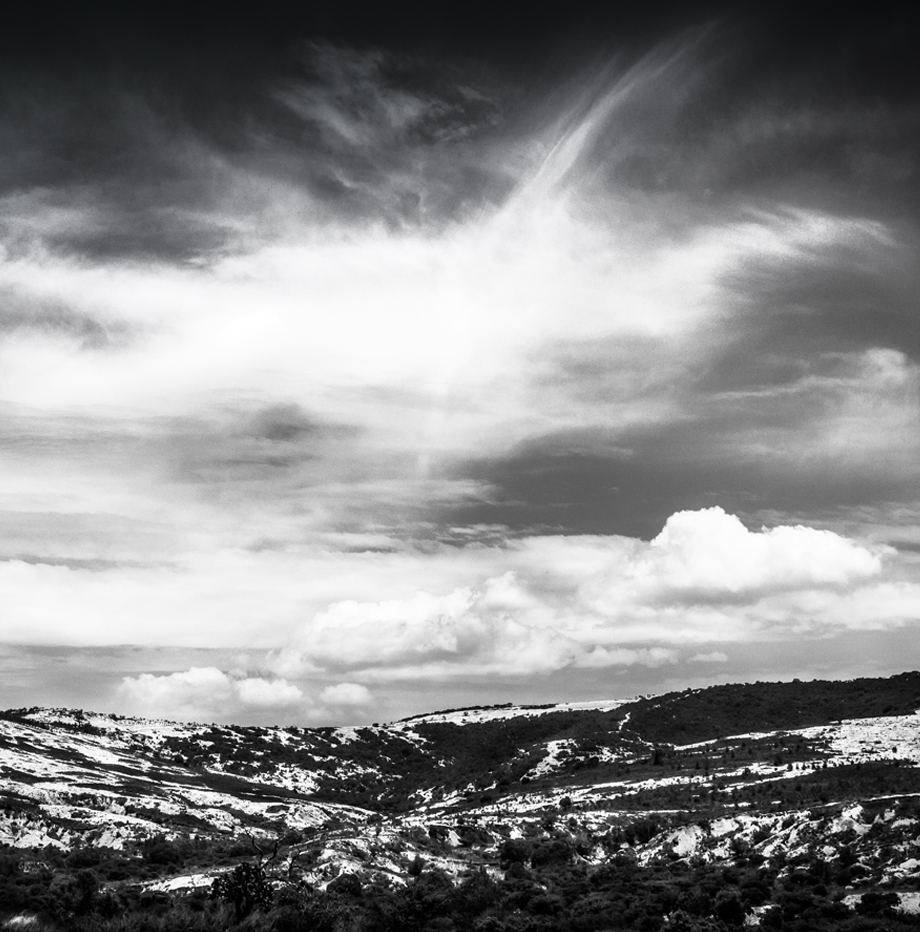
<point x="355" y="366"/>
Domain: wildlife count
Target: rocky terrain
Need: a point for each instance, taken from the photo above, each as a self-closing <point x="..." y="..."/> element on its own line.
<point x="797" y="786"/>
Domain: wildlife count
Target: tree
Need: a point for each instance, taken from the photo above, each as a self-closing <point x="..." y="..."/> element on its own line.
<point x="477" y="893"/>
<point x="74" y="894"/>
<point x="515" y="851"/>
<point x="729" y="908"/>
<point x="552" y="851"/>
<point x="247" y="887"/>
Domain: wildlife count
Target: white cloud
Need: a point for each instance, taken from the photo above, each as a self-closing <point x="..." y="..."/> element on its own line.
<point x="877" y="393"/>
<point x="427" y="346"/>
<point x="465" y="631"/>
<point x="627" y="657"/>
<point x="346" y="694"/>
<point x="716" y="656"/>
<point x="711" y="551"/>
<point x="206" y="694"/>
<point x="530" y="605"/>
<point x="256" y="692"/>
<point x="565" y="307"/>
<point x="595" y="601"/>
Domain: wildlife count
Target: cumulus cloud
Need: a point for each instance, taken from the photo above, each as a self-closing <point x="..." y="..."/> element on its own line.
<point x="207" y="693"/>
<point x="465" y="631"/>
<point x="211" y="694"/>
<point x="526" y="605"/>
<point x="607" y="601"/>
<point x="709" y="552"/>
<point x="589" y="602"/>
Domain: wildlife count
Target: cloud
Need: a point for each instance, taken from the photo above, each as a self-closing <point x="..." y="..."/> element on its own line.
<point x="522" y="606"/>
<point x="390" y="134"/>
<point x="596" y="601"/>
<point x="211" y="694"/>
<point x="627" y="657"/>
<point x="716" y="656"/>
<point x="207" y="694"/>
<point x="460" y="363"/>
<point x="346" y="694"/>
<point x="391" y="366"/>
<point x="255" y="692"/>
<point x="710" y="552"/>
<point x="795" y="434"/>
<point x="464" y="631"/>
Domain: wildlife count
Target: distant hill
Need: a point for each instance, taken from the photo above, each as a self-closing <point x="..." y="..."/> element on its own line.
<point x="719" y="711"/>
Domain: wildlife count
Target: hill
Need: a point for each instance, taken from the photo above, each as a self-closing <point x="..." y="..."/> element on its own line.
<point x="772" y="780"/>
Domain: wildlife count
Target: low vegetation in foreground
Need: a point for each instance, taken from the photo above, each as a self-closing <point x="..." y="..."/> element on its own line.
<point x="541" y="882"/>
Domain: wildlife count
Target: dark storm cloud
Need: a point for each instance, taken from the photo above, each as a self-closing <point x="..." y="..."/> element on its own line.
<point x="749" y="434"/>
<point x="144" y="234"/>
<point x="551" y="487"/>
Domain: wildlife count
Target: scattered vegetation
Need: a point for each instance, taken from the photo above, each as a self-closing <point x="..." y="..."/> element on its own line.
<point x="670" y="764"/>
<point x="539" y="884"/>
<point x="703" y="714"/>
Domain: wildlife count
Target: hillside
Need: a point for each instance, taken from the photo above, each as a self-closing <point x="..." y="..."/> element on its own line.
<point x="769" y="780"/>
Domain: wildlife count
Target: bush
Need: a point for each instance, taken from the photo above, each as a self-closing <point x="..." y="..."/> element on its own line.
<point x="729" y="908"/>
<point x="246" y="887"/>
<point x="552" y="851"/>
<point x="84" y="857"/>
<point x="163" y="853"/>
<point x="74" y="894"/>
<point x="346" y="884"/>
<point x="515" y="851"/>
<point x="477" y="893"/>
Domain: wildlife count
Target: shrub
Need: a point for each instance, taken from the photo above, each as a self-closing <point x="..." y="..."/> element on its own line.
<point x="552" y="851"/>
<point x="246" y="887"/>
<point x="515" y="851"/>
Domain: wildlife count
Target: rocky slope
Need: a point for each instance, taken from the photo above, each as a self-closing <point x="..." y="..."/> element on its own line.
<point x="788" y="773"/>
